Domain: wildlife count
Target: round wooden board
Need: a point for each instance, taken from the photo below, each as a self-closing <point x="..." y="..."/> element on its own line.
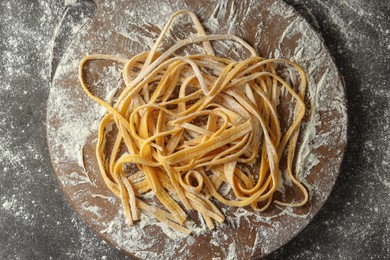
<point x="128" y="27"/>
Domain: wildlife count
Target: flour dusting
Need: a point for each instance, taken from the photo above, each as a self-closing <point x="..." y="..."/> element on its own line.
<point x="73" y="121"/>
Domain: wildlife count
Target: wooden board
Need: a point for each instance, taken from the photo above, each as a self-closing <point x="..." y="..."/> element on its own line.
<point x="129" y="27"/>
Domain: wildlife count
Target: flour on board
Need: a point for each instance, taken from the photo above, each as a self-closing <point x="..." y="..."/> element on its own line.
<point x="75" y="127"/>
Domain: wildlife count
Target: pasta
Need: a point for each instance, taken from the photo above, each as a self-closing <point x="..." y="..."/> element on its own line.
<point x="193" y="124"/>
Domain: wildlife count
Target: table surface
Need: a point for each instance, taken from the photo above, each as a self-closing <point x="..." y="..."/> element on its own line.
<point x="37" y="222"/>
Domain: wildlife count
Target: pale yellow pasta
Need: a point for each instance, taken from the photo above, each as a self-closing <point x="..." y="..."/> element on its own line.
<point x="190" y="124"/>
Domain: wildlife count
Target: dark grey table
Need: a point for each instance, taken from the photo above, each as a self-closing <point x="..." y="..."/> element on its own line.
<point x="36" y="222"/>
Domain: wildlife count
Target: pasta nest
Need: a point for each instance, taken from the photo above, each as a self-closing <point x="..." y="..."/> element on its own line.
<point x="193" y="125"/>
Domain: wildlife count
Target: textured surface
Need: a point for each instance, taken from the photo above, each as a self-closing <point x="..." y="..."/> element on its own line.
<point x="37" y="222"/>
<point x="72" y="124"/>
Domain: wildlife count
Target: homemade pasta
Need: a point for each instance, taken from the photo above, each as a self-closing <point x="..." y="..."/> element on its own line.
<point x="193" y="124"/>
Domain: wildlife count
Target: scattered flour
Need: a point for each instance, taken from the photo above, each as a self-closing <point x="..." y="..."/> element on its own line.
<point x="27" y="45"/>
<point x="70" y="2"/>
<point x="7" y="205"/>
<point x="137" y="33"/>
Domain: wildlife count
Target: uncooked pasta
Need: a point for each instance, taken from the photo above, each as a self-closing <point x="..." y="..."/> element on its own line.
<point x="192" y="124"/>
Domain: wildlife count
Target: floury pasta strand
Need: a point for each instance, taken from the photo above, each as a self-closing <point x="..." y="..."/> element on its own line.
<point x="190" y="124"/>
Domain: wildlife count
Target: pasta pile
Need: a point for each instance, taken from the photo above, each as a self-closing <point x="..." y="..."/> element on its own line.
<point x="192" y="124"/>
